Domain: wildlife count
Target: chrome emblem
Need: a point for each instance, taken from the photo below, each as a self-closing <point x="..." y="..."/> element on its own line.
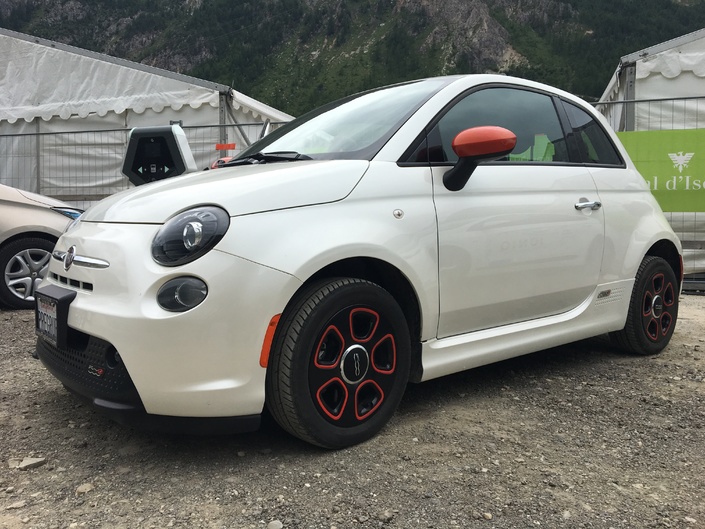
<point x="356" y="357"/>
<point x="69" y="257"/>
<point x="96" y="371"/>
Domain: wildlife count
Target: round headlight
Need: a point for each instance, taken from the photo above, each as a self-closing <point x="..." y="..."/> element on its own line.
<point x="188" y="235"/>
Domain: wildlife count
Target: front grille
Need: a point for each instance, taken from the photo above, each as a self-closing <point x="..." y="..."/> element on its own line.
<point x="91" y="367"/>
<point x="80" y="285"/>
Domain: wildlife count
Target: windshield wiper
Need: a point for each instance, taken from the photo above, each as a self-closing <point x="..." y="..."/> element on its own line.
<point x="268" y="157"/>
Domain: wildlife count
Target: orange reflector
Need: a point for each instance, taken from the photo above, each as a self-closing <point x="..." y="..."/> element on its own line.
<point x="224" y="146"/>
<point x="268" y="339"/>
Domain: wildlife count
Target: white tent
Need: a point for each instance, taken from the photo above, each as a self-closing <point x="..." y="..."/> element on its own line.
<point x="662" y="88"/>
<point x="665" y="79"/>
<point x="48" y="89"/>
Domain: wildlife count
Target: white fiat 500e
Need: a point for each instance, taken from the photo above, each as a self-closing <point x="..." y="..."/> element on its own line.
<point x="395" y="236"/>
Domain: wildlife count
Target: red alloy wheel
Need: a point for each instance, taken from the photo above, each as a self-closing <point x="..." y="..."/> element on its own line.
<point x="353" y="366"/>
<point x="340" y="362"/>
<point x="658" y="307"/>
<point x="653" y="309"/>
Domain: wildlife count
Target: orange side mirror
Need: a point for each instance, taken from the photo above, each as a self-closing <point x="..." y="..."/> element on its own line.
<point x="484" y="143"/>
<point x="476" y="145"/>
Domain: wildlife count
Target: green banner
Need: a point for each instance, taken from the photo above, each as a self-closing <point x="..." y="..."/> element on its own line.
<point x="673" y="164"/>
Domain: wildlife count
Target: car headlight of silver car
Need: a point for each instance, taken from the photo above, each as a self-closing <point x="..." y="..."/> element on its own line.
<point x="189" y="235"/>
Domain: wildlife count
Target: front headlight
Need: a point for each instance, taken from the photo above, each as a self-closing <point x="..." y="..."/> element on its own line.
<point x="72" y="213"/>
<point x="189" y="235"/>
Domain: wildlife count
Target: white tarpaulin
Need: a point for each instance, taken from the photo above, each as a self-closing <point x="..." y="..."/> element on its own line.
<point x="44" y="79"/>
<point x="51" y="93"/>
<point x="44" y="82"/>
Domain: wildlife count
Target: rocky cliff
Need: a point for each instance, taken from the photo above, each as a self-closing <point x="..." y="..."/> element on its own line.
<point x="296" y="54"/>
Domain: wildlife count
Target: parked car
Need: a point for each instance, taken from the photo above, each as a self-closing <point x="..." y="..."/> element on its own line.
<point x="397" y="235"/>
<point x="221" y="162"/>
<point x="30" y="224"/>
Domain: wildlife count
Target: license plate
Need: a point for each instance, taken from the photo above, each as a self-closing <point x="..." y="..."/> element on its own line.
<point x="52" y="314"/>
<point x="47" y="322"/>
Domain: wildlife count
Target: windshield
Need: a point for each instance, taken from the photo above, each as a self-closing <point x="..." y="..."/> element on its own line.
<point x="353" y="128"/>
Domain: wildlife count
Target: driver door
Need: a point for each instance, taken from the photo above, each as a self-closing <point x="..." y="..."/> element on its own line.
<point x="513" y="246"/>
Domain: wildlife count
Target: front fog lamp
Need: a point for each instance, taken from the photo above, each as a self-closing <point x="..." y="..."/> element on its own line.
<point x="188" y="235"/>
<point x="182" y="294"/>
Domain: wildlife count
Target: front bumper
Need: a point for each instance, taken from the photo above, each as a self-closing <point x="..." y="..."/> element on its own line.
<point x="142" y="364"/>
<point x="112" y="392"/>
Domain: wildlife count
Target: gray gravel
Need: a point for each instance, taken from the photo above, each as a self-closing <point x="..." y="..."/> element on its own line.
<point x="577" y="436"/>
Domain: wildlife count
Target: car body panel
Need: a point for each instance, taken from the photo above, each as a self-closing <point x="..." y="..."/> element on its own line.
<point x="595" y="316"/>
<point x="633" y="218"/>
<point x="303" y="241"/>
<point x="244" y="189"/>
<point x="513" y="247"/>
<point x="24" y="212"/>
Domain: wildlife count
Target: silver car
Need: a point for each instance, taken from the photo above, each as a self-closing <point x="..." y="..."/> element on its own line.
<point x="30" y="224"/>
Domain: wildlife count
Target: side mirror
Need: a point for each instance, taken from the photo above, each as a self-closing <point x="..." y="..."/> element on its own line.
<point x="156" y="153"/>
<point x="475" y="145"/>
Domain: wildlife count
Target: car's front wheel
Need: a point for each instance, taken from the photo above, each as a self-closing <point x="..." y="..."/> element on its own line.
<point x="339" y="364"/>
<point x="653" y="309"/>
<point x="24" y="264"/>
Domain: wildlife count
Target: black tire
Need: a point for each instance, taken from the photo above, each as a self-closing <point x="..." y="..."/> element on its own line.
<point x="23" y="264"/>
<point x="339" y="363"/>
<point x="653" y="309"/>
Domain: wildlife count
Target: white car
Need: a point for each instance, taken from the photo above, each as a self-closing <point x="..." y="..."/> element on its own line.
<point x="30" y="224"/>
<point x="398" y="235"/>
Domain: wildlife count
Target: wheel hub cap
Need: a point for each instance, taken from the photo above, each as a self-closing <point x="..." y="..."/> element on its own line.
<point x="25" y="271"/>
<point x="657" y="306"/>
<point x="354" y="364"/>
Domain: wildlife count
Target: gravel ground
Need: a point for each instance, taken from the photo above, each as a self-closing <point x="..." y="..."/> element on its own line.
<point x="577" y="436"/>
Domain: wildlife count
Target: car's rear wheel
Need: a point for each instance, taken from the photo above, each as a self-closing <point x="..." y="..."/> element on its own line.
<point x="653" y="309"/>
<point x="24" y="264"/>
<point x="339" y="364"/>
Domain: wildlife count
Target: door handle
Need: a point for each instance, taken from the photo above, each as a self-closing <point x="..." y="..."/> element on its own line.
<point x="588" y="204"/>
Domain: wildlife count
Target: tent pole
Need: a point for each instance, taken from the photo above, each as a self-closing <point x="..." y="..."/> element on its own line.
<point x="630" y="96"/>
<point x="222" y="105"/>
<point x="38" y="155"/>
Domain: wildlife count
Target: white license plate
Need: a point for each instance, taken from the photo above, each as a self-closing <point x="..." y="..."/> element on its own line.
<point x="47" y="320"/>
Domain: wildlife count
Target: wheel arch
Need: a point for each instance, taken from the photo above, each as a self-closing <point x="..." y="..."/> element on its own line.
<point x="668" y="251"/>
<point x="393" y="281"/>
<point x="29" y="235"/>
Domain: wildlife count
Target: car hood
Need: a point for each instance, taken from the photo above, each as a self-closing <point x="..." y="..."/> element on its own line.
<point x="239" y="190"/>
<point x="26" y="197"/>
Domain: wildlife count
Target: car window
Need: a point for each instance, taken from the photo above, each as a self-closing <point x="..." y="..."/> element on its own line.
<point x="531" y="116"/>
<point x="593" y="142"/>
<point x="352" y="128"/>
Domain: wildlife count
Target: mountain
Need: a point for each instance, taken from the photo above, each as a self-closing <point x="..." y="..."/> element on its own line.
<point x="298" y="54"/>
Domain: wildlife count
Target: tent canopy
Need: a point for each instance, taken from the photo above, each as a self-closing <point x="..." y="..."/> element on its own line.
<point x="49" y="80"/>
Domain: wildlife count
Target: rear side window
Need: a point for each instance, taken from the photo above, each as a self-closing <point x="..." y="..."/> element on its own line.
<point x="593" y="143"/>
<point x="531" y="116"/>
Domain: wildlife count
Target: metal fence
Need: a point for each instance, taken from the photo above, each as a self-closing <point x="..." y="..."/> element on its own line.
<point x="82" y="167"/>
<point x="676" y="113"/>
<point x="673" y="114"/>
